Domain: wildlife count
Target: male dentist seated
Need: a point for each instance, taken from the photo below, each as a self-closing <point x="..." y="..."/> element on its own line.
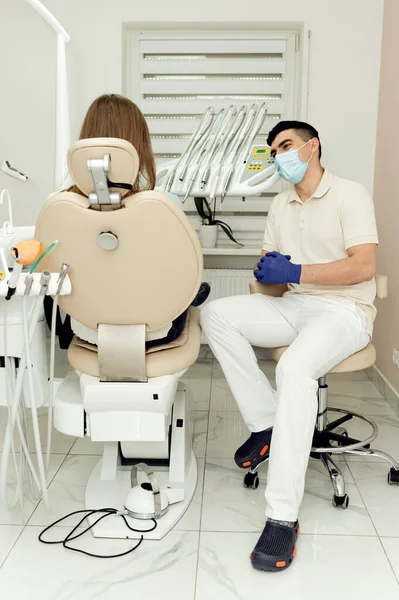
<point x="320" y="240"/>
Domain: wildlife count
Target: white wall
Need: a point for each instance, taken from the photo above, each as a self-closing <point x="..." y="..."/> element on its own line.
<point x="344" y="73"/>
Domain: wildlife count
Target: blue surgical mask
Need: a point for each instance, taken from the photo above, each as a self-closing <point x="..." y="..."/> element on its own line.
<point x="290" y="167"/>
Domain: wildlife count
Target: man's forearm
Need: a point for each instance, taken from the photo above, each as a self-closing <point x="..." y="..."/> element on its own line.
<point x="348" y="271"/>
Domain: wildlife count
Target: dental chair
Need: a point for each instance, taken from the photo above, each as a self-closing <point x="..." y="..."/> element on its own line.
<point x="330" y="437"/>
<point x="135" y="265"/>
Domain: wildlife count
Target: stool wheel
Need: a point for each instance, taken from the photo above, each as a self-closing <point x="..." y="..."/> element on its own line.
<point x="251" y="480"/>
<point x="340" y="501"/>
<point x="393" y="477"/>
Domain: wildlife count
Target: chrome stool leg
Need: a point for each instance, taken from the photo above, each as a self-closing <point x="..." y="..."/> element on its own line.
<point x="393" y="475"/>
<point x="341" y="431"/>
<point x="340" y="498"/>
<point x="322" y="397"/>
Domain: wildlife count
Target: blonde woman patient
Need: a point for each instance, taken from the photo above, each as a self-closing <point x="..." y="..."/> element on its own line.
<point x="115" y="116"/>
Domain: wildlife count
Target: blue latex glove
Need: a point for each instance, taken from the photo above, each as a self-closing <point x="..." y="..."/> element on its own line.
<point x="277" y="268"/>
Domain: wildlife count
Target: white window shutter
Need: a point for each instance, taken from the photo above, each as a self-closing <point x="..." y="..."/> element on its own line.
<point x="175" y="75"/>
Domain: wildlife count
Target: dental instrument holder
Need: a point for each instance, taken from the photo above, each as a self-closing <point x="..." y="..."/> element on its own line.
<point x="36" y="286"/>
<point x="12" y="171"/>
<point x="227" y="175"/>
<point x="28" y="285"/>
<point x="240" y="182"/>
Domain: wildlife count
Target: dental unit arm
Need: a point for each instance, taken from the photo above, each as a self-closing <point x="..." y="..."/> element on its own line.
<point x="237" y="165"/>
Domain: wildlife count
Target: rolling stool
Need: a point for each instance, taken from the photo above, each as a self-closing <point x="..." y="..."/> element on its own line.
<point x="332" y="438"/>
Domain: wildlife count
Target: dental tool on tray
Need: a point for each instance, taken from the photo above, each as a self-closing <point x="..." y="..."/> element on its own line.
<point x="218" y="143"/>
<point x="198" y="140"/>
<point x="210" y="143"/>
<point x="202" y="129"/>
<point x="221" y="157"/>
<point x="238" y="142"/>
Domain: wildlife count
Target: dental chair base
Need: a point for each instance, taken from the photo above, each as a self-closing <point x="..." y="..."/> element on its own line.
<point x="148" y="468"/>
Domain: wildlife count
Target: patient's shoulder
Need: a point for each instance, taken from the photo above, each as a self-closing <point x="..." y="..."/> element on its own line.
<point x="175" y="198"/>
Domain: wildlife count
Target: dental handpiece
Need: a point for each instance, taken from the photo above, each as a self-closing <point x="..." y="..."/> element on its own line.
<point x="190" y="185"/>
<point x="194" y="174"/>
<point x="260" y="117"/>
<point x="226" y="184"/>
<point x="61" y="278"/>
<point x="236" y="149"/>
<point x="197" y="140"/>
<point x="14" y="277"/>
<point x="220" y="138"/>
<point x="28" y="284"/>
<point x="229" y="141"/>
<point x="198" y="154"/>
<point x="44" y="283"/>
<point x="214" y="138"/>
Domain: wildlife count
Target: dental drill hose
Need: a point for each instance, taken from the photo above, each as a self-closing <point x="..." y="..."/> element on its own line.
<point x="35" y="419"/>
<point x="18" y="491"/>
<point x="229" y="141"/>
<point x="61" y="278"/>
<point x="24" y="441"/>
<point x="14" y="412"/>
<point x="25" y="252"/>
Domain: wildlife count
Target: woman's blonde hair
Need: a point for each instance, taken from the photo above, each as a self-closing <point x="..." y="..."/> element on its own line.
<point x="112" y="115"/>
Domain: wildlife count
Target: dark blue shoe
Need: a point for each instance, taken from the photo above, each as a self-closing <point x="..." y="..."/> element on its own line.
<point x="276" y="547"/>
<point x="255" y="450"/>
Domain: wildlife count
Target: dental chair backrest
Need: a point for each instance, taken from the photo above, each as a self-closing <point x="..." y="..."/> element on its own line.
<point x="135" y="261"/>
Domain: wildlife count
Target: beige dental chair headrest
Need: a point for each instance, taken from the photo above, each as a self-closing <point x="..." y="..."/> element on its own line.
<point x="124" y="164"/>
<point x="155" y="270"/>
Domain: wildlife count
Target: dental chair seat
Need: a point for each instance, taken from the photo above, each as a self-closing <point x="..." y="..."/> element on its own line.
<point x="161" y="360"/>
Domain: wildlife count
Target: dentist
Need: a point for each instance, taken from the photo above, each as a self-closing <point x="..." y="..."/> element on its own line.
<point x="321" y="241"/>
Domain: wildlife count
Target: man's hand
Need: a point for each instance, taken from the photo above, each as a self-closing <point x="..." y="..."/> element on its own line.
<point x="275" y="268"/>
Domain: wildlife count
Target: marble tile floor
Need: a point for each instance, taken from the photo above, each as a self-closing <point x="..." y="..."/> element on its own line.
<point x="351" y="553"/>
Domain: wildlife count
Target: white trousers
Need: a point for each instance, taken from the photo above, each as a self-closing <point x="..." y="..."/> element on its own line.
<point x="320" y="333"/>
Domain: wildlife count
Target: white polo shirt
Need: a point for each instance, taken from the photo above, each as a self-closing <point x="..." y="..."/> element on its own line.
<point x="338" y="216"/>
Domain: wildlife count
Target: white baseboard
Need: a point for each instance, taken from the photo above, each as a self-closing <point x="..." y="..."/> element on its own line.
<point x="385" y="388"/>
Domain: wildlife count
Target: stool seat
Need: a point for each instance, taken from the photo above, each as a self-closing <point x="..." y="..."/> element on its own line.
<point x="356" y="362"/>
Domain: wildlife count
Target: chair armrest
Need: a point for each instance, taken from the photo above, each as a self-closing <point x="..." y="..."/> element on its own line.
<point x="381" y="282"/>
<point x="268" y="290"/>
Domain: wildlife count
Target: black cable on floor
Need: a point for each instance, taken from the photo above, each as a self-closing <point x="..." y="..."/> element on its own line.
<point x="88" y="513"/>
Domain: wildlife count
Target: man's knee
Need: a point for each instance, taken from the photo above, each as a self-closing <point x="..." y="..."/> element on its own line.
<point x="291" y="365"/>
<point x="219" y="314"/>
<point x="209" y="314"/>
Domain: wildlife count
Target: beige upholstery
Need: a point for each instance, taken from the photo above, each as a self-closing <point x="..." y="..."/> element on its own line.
<point x="356" y="362"/>
<point x="124" y="165"/>
<point x="149" y="279"/>
<point x="381" y="282"/>
<point x="158" y="258"/>
<point x="162" y="360"/>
